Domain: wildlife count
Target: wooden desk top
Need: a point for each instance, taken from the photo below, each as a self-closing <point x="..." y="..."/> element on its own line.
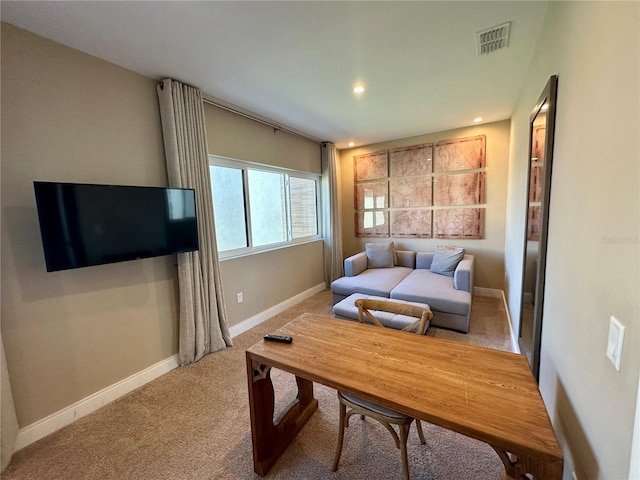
<point x="486" y="394"/>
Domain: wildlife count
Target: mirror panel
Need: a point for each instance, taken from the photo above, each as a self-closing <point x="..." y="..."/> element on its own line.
<point x="541" y="132"/>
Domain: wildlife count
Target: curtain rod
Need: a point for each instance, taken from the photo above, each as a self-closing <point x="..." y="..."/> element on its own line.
<point x="259" y="120"/>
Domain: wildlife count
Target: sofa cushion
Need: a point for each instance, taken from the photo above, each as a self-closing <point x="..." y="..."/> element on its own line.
<point x="380" y="255"/>
<point x="405" y="258"/>
<point x="439" y="294"/>
<point x="446" y="259"/>
<point x="424" y="259"/>
<point x="374" y="281"/>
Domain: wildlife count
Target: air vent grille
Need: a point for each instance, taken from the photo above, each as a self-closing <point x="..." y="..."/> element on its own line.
<point x="493" y="39"/>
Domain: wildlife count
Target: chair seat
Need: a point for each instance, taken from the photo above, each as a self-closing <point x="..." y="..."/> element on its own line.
<point x="386" y="416"/>
<point x="374" y="407"/>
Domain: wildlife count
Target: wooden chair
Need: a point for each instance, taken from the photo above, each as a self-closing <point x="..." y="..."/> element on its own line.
<point x="385" y="416"/>
<point x="423" y="314"/>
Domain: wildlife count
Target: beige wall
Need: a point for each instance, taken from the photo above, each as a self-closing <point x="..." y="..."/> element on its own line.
<point x="489" y="251"/>
<point x="67" y="116"/>
<point x="593" y="256"/>
<point x="234" y="136"/>
<point x="267" y="278"/>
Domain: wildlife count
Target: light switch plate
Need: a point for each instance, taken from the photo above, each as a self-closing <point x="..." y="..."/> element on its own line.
<point x="615" y="341"/>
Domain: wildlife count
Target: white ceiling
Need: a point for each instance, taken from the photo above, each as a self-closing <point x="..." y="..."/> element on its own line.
<point x="297" y="62"/>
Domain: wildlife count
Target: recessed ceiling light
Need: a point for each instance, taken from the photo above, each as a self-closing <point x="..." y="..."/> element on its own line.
<point x="351" y="144"/>
<point x="358" y="89"/>
<point x="478" y="119"/>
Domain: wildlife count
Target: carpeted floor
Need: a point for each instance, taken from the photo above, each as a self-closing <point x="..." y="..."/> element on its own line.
<point x="193" y="423"/>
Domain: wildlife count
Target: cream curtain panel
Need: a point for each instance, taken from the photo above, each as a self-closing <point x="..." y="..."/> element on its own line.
<point x="8" y="420"/>
<point x="203" y="317"/>
<point x="332" y="228"/>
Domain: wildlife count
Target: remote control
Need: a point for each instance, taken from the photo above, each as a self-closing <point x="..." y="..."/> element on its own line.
<point x="272" y="337"/>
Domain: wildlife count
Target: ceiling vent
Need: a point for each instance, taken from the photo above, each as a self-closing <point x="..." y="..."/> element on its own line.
<point x="493" y="39"/>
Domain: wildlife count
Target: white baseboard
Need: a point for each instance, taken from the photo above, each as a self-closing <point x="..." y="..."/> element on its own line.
<point x="487" y="292"/>
<point x="55" y="421"/>
<point x="251" y="322"/>
<point x="68" y="415"/>
<point x="62" y="418"/>
<point x="515" y="346"/>
<point x="495" y="293"/>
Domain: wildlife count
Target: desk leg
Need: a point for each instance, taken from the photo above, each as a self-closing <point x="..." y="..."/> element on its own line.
<point x="270" y="439"/>
<point x="519" y="467"/>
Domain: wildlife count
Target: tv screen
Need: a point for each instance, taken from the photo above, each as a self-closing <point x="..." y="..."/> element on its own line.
<point x="84" y="225"/>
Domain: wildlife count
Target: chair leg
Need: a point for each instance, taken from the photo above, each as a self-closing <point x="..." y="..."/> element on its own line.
<point x="343" y="411"/>
<point x="404" y="433"/>
<point x="420" y="433"/>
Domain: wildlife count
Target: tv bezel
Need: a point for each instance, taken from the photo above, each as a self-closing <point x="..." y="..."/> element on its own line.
<point x="48" y="254"/>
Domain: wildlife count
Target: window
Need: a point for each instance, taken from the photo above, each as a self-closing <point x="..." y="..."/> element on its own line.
<point x="228" y="199"/>
<point x="268" y="207"/>
<point x="303" y="193"/>
<point x="257" y="207"/>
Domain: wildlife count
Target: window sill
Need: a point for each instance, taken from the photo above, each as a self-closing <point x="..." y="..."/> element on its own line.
<point x="269" y="248"/>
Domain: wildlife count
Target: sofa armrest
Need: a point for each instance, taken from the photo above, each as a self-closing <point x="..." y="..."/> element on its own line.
<point x="355" y="264"/>
<point x="463" y="275"/>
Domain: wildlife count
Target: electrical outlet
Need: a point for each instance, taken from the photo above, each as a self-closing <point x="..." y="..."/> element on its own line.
<point x="240" y="297"/>
<point x="615" y="341"/>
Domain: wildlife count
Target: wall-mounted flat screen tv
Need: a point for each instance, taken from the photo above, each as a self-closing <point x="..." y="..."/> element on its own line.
<point x="83" y="224"/>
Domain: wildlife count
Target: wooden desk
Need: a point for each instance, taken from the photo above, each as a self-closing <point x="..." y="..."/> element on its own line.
<point x="486" y="394"/>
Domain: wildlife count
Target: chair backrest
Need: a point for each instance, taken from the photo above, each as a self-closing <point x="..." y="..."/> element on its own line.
<point x="423" y="314"/>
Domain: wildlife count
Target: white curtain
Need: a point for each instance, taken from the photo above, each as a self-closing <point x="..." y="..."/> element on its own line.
<point x="203" y="317"/>
<point x="332" y="219"/>
<point x="8" y="420"/>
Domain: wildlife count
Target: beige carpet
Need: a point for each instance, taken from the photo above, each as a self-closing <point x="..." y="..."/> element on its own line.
<point x="193" y="423"/>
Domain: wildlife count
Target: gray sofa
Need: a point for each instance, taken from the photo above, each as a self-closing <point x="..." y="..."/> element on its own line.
<point x="411" y="279"/>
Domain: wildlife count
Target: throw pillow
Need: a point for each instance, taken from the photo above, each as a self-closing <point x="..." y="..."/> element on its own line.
<point x="380" y="255"/>
<point x="446" y="259"/>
